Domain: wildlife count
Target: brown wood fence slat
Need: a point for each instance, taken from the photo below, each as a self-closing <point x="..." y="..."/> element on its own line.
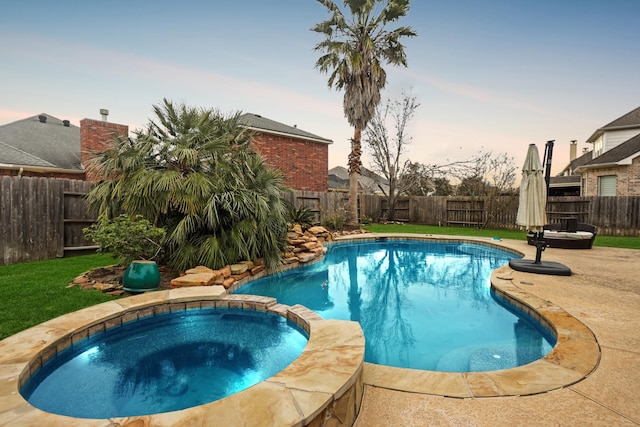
<point x="38" y="220"/>
<point x="612" y="215"/>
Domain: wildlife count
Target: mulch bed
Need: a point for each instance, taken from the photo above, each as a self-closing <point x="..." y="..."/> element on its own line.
<point x="109" y="279"/>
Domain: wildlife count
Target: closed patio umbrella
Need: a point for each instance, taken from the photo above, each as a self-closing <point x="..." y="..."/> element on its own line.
<point x="532" y="211"/>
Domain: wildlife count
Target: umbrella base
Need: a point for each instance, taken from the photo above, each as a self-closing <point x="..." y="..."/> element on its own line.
<point x="543" y="267"/>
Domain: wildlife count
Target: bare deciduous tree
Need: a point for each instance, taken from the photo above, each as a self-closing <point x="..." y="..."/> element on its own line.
<point x="387" y="150"/>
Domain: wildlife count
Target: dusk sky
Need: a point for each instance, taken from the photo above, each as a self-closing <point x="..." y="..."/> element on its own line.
<point x="491" y="75"/>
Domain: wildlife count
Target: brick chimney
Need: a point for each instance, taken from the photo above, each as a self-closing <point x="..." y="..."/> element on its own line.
<point x="96" y="137"/>
<point x="573" y="150"/>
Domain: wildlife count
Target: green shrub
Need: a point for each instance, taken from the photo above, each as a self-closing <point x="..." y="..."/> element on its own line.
<point x="366" y="220"/>
<point x="126" y="237"/>
<point x="334" y="222"/>
<point x="301" y="215"/>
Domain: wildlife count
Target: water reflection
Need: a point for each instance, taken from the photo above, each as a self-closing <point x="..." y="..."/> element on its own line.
<point x="423" y="305"/>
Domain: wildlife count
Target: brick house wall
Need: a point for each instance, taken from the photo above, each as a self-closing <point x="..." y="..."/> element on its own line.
<point x="627" y="182"/>
<point x="95" y="137"/>
<point x="303" y="163"/>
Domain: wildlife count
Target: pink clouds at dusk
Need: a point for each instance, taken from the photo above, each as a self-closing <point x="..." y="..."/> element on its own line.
<point x="492" y="76"/>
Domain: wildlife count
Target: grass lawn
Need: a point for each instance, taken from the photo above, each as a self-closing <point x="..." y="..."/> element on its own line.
<point x="33" y="292"/>
<point x="608" y="241"/>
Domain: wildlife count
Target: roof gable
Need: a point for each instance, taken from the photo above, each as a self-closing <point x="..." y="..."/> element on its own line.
<point x="630" y="120"/>
<point x="45" y="143"/>
<point x="627" y="149"/>
<point x="257" y="122"/>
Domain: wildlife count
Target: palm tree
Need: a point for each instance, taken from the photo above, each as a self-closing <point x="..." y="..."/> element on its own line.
<point x="191" y="172"/>
<point x="355" y="48"/>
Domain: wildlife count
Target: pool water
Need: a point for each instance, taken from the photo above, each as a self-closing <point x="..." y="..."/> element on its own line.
<point x="421" y="304"/>
<point x="165" y="362"/>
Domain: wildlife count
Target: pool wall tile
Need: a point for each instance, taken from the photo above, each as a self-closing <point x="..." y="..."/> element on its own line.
<point x="114" y="321"/>
<point x="95" y="329"/>
<point x="34" y="365"/>
<point x="235" y="304"/>
<point x="175" y="307"/>
<point x="192" y="305"/>
<point x="48" y="353"/>
<point x="79" y="336"/>
<point x="147" y="311"/>
<point x="210" y="304"/>
<point x="129" y="316"/>
<point x="63" y="343"/>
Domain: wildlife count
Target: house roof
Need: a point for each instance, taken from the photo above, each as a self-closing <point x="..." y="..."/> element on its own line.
<point x="620" y="155"/>
<point x="631" y="120"/>
<point x="565" y="181"/>
<point x="30" y="142"/>
<point x="370" y="181"/>
<point x="578" y="161"/>
<point x="259" y="123"/>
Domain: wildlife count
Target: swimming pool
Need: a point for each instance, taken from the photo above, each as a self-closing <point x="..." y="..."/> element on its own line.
<point x="422" y="304"/>
<point x="165" y="362"/>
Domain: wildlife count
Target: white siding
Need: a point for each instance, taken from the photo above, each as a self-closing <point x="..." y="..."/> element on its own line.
<point x="614" y="138"/>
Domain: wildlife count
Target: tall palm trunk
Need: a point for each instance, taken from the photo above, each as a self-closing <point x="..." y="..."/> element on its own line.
<point x="354" y="172"/>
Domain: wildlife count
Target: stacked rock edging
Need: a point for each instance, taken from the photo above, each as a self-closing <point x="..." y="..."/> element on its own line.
<point x="302" y="247"/>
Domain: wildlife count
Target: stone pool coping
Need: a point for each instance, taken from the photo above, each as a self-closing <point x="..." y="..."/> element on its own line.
<point x="323" y="383"/>
<point x="574" y="357"/>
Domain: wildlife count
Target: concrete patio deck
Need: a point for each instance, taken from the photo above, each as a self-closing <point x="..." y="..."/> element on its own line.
<point x="603" y="293"/>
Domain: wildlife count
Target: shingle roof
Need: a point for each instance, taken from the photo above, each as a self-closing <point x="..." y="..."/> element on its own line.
<point x="632" y="118"/>
<point x="623" y="151"/>
<point x="568" y="179"/>
<point x="369" y="180"/>
<point x="581" y="160"/>
<point x="628" y="121"/>
<point x="257" y="122"/>
<point x="29" y="142"/>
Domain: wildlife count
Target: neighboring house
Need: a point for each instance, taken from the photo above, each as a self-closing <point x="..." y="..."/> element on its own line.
<point x="41" y="145"/>
<point x="369" y="182"/>
<point x="616" y="172"/>
<point x="302" y="157"/>
<point x="612" y="168"/>
<point x="46" y="146"/>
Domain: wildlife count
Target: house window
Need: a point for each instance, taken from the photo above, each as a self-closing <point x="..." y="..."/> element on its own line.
<point x="607" y="185"/>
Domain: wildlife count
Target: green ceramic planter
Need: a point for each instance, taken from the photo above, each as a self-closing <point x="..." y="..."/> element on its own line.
<point x="141" y="276"/>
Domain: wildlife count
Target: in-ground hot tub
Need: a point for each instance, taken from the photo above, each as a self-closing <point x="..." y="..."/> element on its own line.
<point x="325" y="381"/>
<point x="165" y="362"/>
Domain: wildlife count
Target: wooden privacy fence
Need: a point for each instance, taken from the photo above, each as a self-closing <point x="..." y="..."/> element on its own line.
<point x="43" y="218"/>
<point x="612" y="215"/>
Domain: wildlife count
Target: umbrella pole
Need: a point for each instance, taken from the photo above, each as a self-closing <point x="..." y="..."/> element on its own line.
<point x="546" y="161"/>
<point x="537" y="266"/>
<point x="540" y="246"/>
